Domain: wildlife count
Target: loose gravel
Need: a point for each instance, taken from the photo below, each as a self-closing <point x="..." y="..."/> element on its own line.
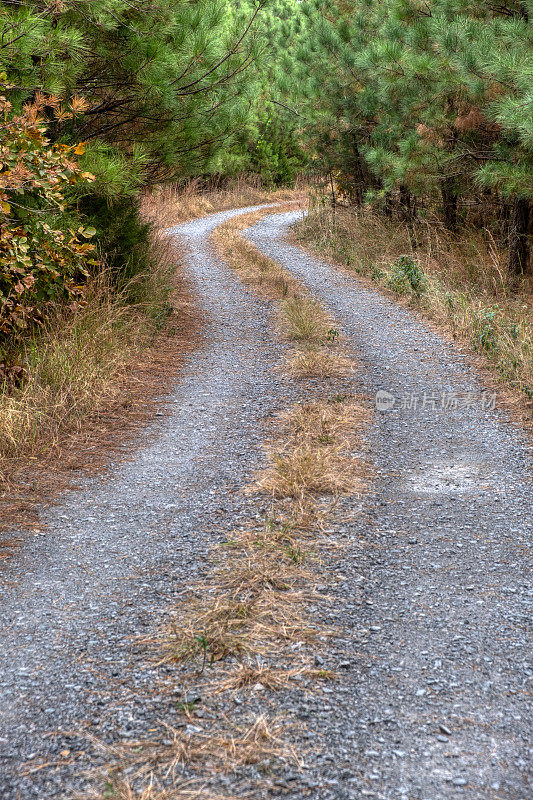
<point x="115" y="557"/>
<point x="429" y="595"/>
<point x="434" y="701"/>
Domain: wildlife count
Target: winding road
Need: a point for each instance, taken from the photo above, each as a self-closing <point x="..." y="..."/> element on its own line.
<point x="434" y="597"/>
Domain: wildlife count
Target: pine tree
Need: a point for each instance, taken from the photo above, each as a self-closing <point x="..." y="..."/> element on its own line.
<point x="431" y="99"/>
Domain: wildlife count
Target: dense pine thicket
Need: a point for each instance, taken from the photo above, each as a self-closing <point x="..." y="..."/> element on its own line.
<point x="411" y="102"/>
<point x="133" y="91"/>
<point x="411" y="105"/>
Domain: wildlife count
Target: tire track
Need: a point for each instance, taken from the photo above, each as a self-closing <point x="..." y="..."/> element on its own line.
<point x="438" y="692"/>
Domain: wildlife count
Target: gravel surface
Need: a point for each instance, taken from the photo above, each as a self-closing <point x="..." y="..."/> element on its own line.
<point x="115" y="556"/>
<point x="434" y="701"/>
<point x="430" y="593"/>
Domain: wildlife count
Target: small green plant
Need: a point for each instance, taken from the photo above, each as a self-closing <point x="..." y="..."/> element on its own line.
<point x="406" y="276"/>
<point x="376" y="274"/>
<point x="332" y="335"/>
<point x="485" y="334"/>
<point x="296" y="554"/>
<point x="325" y="675"/>
<point x="337" y="398"/>
<point x="203" y="641"/>
<point x="186" y="706"/>
<point x="109" y="789"/>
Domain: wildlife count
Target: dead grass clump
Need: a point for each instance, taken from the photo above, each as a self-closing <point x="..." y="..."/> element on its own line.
<point x="218" y="751"/>
<point x="306" y="470"/>
<point x="319" y="362"/>
<point x="304" y="320"/>
<point x="125" y="789"/>
<point x="252" y="572"/>
<point x="248" y="676"/>
<point x="225" y="751"/>
<point x="327" y="422"/>
<point x="258" y="600"/>
<point x="316" y="456"/>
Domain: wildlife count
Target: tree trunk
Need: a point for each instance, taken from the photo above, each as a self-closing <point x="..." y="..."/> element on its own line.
<point x="333" y="194"/>
<point x="449" y="203"/>
<point x="360" y="175"/>
<point x="519" y="250"/>
<point x="406" y="203"/>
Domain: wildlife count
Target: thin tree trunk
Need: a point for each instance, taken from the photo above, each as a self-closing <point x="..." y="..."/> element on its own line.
<point x="360" y="183"/>
<point x="333" y="195"/>
<point x="449" y="202"/>
<point x="519" y="249"/>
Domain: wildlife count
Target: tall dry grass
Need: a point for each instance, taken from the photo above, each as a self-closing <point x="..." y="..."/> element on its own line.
<point x="75" y="365"/>
<point x="459" y="282"/>
<point x="172" y="204"/>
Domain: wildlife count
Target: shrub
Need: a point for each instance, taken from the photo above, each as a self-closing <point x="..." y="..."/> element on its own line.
<point x="41" y="260"/>
<point x="406" y="276"/>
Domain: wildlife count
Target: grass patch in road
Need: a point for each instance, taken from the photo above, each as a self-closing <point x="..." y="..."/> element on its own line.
<point x="316" y="454"/>
<point x="304" y="320"/>
<point x="318" y="349"/>
<point x="251" y="626"/>
<point x="319" y="362"/>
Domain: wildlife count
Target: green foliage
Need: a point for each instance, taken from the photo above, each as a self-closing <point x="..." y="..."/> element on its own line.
<point x="406" y="276"/>
<point x="405" y="99"/>
<point x="278" y="156"/>
<point x="168" y="87"/>
<point x="152" y="91"/>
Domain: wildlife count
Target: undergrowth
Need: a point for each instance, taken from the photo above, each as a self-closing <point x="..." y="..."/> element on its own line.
<point x="172" y="204"/>
<point x="74" y="365"/>
<point x="460" y="282"/>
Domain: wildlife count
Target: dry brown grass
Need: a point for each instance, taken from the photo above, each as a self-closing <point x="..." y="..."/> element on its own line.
<point x="255" y="677"/>
<point x="74" y="367"/>
<point x="156" y="768"/>
<point x="304" y="320"/>
<point x="254" y="269"/>
<point x="318" y="454"/>
<point x="93" y="377"/>
<point x="301" y="319"/>
<point x="321" y="361"/>
<point x="126" y="789"/>
<point x="172" y="204"/>
<point x="258" y="600"/>
<point x="220" y="751"/>
<point x="466" y="290"/>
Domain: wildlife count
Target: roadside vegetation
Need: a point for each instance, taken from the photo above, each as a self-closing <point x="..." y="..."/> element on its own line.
<point x="460" y="282"/>
<point x="87" y="280"/>
<point x="415" y="118"/>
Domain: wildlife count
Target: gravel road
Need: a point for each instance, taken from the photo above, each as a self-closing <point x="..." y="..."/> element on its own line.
<point x="431" y="597"/>
<point x="115" y="556"/>
<point x="436" y="663"/>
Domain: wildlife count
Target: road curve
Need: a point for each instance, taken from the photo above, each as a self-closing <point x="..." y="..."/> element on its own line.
<point x="440" y="663"/>
<point x="431" y="596"/>
<point x="116" y="555"/>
